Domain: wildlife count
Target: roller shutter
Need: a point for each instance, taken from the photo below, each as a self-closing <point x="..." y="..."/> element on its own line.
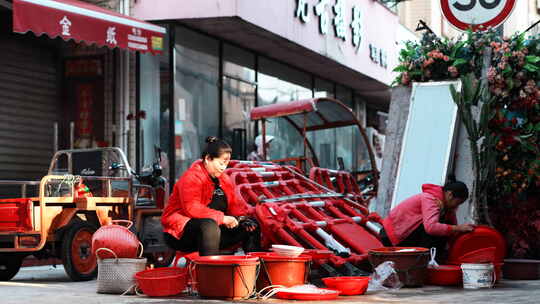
<point x="29" y="106"/>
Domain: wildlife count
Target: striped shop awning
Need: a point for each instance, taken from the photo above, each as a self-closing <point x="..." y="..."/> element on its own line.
<point x="80" y="21"/>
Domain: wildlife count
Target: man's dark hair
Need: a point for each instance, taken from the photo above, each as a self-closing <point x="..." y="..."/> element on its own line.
<point x="459" y="189"/>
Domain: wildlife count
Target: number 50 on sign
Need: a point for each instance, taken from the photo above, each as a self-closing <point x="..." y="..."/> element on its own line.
<point x="476" y="14"/>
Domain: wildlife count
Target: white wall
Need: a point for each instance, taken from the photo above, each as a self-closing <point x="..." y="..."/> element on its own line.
<point x="378" y="24"/>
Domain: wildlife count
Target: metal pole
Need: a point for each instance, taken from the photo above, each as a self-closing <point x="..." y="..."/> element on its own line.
<point x="304" y="134"/>
<point x="142" y="160"/>
<point x="71" y="134"/>
<point x="264" y="138"/>
<point x="55" y="137"/>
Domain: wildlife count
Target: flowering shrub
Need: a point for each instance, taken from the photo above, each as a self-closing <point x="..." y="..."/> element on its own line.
<point x="514" y="118"/>
<point x="521" y="222"/>
<point x="513" y="79"/>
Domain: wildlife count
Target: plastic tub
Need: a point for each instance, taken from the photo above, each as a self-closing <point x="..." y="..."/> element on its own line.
<point x="483" y="255"/>
<point x="226" y="276"/>
<point x="410" y="263"/>
<point x="478" y="275"/>
<point x="444" y="275"/>
<point x="286" y="250"/>
<point x="348" y="286"/>
<point x="480" y="238"/>
<point x="281" y="270"/>
<point x="162" y="282"/>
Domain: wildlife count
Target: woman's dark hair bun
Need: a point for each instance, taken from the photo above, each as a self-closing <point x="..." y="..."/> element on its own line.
<point x="215" y="147"/>
<point x="211" y="139"/>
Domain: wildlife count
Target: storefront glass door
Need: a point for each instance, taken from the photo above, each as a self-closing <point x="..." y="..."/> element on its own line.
<point x="238" y="98"/>
<point x="238" y="129"/>
<point x="154" y="111"/>
<point x="196" y="100"/>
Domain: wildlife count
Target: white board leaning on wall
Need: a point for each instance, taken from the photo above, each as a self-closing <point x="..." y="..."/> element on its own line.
<point x="428" y="141"/>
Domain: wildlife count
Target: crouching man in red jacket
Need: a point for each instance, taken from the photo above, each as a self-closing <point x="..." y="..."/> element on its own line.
<point x="203" y="213"/>
<point x="427" y="219"/>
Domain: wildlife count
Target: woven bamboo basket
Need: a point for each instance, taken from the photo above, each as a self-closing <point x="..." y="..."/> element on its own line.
<point x="117" y="276"/>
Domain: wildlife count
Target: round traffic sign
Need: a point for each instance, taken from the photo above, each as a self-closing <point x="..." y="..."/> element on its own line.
<point x="478" y="14"/>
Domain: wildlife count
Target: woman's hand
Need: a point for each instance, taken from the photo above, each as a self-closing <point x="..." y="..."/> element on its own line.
<point x="229" y="221"/>
<point x="463" y="228"/>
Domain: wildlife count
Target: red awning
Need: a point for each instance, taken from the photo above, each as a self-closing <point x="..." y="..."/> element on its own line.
<point x="283" y="109"/>
<point x="71" y="19"/>
<point x="321" y="113"/>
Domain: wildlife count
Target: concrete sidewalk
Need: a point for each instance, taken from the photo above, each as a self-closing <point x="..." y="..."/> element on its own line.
<point x="49" y="285"/>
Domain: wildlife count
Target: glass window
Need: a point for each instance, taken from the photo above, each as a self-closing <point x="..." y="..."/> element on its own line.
<point x="323" y="88"/>
<point x="196" y="104"/>
<point x="154" y="109"/>
<point x="280" y="83"/>
<point x="360" y="109"/>
<point x="345" y="148"/>
<point x="343" y="143"/>
<point x="238" y="63"/>
<point x="345" y="95"/>
<point x="361" y="157"/>
<point x="287" y="142"/>
<point x="238" y="99"/>
<point x="324" y="143"/>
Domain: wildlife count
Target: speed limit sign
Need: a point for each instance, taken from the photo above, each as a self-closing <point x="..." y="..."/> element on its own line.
<point x="476" y="14"/>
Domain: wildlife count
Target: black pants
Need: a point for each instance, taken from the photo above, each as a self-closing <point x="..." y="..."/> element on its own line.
<point x="205" y="236"/>
<point x="420" y="238"/>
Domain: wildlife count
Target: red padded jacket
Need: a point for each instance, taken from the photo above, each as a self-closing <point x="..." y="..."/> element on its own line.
<point x="418" y="209"/>
<point x="191" y="196"/>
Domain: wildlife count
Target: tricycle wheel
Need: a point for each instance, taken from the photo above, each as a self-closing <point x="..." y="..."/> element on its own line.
<point x="79" y="262"/>
<point x="161" y="259"/>
<point x="10" y="264"/>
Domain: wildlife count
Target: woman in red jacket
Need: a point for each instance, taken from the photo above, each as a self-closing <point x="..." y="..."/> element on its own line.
<point x="426" y="219"/>
<point x="203" y="213"/>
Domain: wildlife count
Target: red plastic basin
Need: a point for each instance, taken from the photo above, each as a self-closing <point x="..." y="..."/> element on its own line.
<point x="162" y="282"/>
<point x="321" y="294"/>
<point x="348" y="286"/>
<point x="444" y="275"/>
<point x="483" y="255"/>
<point x="480" y="238"/>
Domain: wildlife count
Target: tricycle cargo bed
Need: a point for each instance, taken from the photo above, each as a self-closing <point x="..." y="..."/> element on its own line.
<point x="15" y="215"/>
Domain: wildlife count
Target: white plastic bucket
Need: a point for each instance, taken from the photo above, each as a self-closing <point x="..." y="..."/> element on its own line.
<point x="478" y="275"/>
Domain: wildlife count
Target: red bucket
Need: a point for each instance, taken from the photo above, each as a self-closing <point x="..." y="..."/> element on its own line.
<point x="226" y="276"/>
<point x="281" y="270"/>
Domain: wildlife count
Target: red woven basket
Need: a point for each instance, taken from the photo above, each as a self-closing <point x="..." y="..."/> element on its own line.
<point x="162" y="282"/>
